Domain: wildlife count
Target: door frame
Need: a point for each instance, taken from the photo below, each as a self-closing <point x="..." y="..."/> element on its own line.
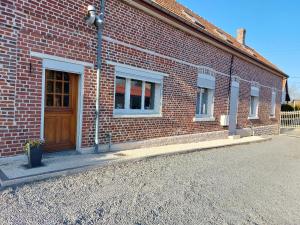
<point x="65" y="65"/>
<point x="236" y="84"/>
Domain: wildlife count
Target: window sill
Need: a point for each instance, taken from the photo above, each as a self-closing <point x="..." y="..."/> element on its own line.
<point x="137" y="115"/>
<point x="253" y="118"/>
<point x="204" y="119"/>
<point x="272" y="117"/>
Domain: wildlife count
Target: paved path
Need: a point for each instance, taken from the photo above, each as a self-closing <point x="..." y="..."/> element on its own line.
<point x="291" y="132"/>
<point x="251" y="184"/>
<point x="14" y="172"/>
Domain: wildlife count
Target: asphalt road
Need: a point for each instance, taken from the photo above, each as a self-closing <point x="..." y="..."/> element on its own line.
<point x="250" y="184"/>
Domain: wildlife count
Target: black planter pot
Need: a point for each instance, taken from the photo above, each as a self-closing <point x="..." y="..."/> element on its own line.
<point x="35" y="156"/>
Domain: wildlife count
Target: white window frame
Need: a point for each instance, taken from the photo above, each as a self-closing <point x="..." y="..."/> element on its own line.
<point x="129" y="73"/>
<point x="205" y="81"/>
<point x="255" y="94"/>
<point x="273" y="105"/>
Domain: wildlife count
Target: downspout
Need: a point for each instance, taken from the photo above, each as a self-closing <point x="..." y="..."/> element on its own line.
<point x="99" y="66"/>
<point x="229" y="90"/>
<point x="229" y="85"/>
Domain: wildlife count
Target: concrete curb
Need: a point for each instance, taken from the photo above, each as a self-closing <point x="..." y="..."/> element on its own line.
<point x="5" y="182"/>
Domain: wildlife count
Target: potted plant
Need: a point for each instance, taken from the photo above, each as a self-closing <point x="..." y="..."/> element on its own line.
<point x="34" y="152"/>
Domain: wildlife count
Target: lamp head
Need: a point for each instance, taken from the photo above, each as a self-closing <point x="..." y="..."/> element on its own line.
<point x="91" y="15"/>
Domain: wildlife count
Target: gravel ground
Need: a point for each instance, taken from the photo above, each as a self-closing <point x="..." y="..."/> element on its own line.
<point x="251" y="184"/>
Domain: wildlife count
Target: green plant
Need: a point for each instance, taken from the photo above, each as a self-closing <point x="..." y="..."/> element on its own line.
<point x="32" y="144"/>
<point x="297" y="108"/>
<point x="286" y="107"/>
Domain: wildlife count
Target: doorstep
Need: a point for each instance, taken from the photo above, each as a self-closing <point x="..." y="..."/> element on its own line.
<point x="15" y="172"/>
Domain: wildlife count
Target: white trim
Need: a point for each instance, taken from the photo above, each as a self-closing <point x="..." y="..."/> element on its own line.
<point x="62" y="59"/>
<point x="43" y="103"/>
<point x="206" y="81"/>
<point x="126" y="68"/>
<point x="204" y="119"/>
<point x="63" y="66"/>
<point x="79" y="111"/>
<point x="137" y="115"/>
<point x="235" y="84"/>
<point x="75" y="68"/>
<point x="114" y="41"/>
<point x="253" y="118"/>
<point x="273" y="104"/>
<point x="254" y="91"/>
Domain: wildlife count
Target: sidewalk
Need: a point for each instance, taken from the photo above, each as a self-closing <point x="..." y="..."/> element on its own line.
<point x="13" y="171"/>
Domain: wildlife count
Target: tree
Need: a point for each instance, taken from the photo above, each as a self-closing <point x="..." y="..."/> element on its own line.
<point x="294" y="91"/>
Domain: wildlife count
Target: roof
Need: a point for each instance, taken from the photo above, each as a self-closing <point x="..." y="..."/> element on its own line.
<point x="190" y="17"/>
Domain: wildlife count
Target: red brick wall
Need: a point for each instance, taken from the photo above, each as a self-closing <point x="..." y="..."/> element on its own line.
<point x="56" y="28"/>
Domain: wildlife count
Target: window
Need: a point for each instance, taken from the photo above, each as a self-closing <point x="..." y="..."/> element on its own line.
<point x="137" y="92"/>
<point x="57" y="89"/>
<point x="273" y="104"/>
<point x="204" y="102"/>
<point x="253" y="106"/>
<point x="254" y="102"/>
<point x="205" y="98"/>
<point x="120" y="93"/>
<point x="192" y="18"/>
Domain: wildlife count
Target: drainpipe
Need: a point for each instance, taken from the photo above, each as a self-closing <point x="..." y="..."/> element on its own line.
<point x="229" y="85"/>
<point x="97" y="20"/>
<point x="229" y="89"/>
<point x="99" y="66"/>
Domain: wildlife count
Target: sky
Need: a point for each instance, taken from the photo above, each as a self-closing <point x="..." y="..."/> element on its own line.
<point x="273" y="29"/>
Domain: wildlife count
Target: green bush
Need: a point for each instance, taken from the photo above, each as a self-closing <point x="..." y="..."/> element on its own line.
<point x="297" y="108"/>
<point x="286" y="107"/>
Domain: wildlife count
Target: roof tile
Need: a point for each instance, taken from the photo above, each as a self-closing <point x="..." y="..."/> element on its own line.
<point x="176" y="8"/>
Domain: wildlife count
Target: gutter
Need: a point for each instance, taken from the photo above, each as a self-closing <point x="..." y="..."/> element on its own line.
<point x="202" y="34"/>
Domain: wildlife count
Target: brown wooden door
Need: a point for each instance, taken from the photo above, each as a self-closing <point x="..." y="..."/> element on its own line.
<point x="60" y="111"/>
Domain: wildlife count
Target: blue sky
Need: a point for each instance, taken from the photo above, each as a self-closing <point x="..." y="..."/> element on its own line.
<point x="273" y="28"/>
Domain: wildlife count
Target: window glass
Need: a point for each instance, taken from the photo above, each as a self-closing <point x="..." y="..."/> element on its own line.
<point x="50" y="86"/>
<point x="58" y="75"/>
<point x="58" y="87"/>
<point x="57" y="100"/>
<point x="204" y="101"/>
<point x="66" y="101"/>
<point x="135" y="94"/>
<point x="198" y="104"/>
<point x="253" y="105"/>
<point x="66" y="87"/>
<point x="149" y="95"/>
<point x="273" y="104"/>
<point x="49" y="100"/>
<point x="120" y="93"/>
<point x="66" y="77"/>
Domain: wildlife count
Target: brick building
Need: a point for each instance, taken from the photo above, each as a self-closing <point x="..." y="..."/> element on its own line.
<point x="167" y="76"/>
